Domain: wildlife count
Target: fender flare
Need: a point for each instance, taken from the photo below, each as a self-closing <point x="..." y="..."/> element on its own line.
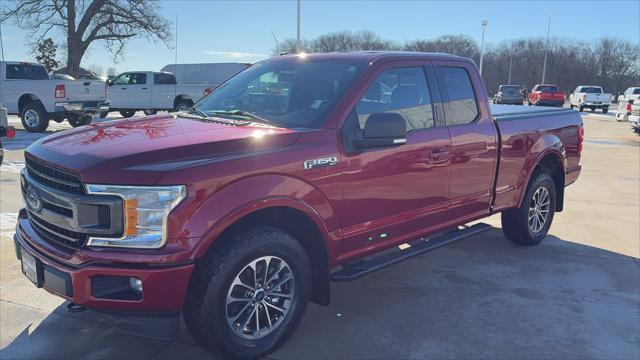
<point x="549" y="145"/>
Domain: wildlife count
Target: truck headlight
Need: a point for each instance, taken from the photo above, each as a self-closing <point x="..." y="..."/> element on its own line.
<point x="145" y="210"/>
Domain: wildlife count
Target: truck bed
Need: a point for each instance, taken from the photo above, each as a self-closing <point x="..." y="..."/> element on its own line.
<point x="512" y="112"/>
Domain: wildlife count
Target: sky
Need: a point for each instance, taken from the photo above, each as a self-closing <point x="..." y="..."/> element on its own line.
<point x="241" y="31"/>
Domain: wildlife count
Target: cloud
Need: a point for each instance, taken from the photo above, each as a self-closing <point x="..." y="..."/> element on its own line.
<point x="235" y="54"/>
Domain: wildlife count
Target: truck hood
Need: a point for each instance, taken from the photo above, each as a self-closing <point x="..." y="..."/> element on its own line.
<point x="140" y="150"/>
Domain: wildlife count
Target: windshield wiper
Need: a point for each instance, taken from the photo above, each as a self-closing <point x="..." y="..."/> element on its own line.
<point x="241" y="113"/>
<point x="198" y="112"/>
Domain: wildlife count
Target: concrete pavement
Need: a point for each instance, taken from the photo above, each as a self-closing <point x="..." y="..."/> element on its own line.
<point x="577" y="295"/>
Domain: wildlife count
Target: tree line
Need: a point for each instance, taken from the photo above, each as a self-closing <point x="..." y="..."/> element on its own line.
<point x="609" y="62"/>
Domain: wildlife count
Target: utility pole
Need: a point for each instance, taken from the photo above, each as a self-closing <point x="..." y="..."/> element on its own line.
<point x="510" y="64"/>
<point x="298" y="32"/>
<point x="484" y="26"/>
<point x="277" y="45"/>
<point x="176" y="53"/>
<point x="546" y="48"/>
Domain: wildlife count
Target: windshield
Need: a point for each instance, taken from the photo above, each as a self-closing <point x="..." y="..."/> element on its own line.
<point x="547" y="88"/>
<point x="592" y="90"/>
<point x="287" y="94"/>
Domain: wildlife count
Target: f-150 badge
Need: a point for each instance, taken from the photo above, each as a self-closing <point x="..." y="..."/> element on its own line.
<point x="322" y="162"/>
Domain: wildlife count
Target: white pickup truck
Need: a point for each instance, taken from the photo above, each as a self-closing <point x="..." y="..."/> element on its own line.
<point x="151" y="91"/>
<point x="629" y="107"/>
<point x="592" y="97"/>
<point x="28" y="91"/>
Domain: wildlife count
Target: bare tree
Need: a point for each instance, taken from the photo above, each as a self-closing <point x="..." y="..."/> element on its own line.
<point x="111" y="71"/>
<point x="96" y="69"/>
<point x="45" y="52"/>
<point x="85" y="22"/>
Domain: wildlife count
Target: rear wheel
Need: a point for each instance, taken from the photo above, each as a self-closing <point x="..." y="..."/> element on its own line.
<point x="34" y="117"/>
<point x="249" y="295"/>
<point x="529" y="223"/>
<point x="183" y="105"/>
<point x="79" y="120"/>
<point x="605" y="110"/>
<point x="127" y="113"/>
<point x="103" y="114"/>
<point x="150" y="112"/>
<point x="581" y="108"/>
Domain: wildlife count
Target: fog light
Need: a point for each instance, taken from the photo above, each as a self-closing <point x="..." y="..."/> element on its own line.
<point x="136" y="284"/>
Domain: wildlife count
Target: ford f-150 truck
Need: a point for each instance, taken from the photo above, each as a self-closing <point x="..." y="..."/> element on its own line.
<point x="592" y="97"/>
<point x="152" y="91"/>
<point x="29" y="91"/>
<point x="301" y="170"/>
<point x="546" y="94"/>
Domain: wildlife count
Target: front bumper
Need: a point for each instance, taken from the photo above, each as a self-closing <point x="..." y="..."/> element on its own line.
<point x="163" y="286"/>
<point x="82" y="106"/>
<point x="552" y="102"/>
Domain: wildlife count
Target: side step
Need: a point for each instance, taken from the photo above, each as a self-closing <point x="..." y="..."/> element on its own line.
<point x="359" y="269"/>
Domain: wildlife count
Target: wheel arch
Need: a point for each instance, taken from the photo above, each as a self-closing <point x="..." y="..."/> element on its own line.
<point x="300" y="221"/>
<point x="551" y="159"/>
<point x="180" y="98"/>
<point x="24" y="99"/>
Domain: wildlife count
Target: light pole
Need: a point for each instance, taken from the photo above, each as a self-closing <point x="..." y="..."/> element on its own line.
<point x="484" y="27"/>
<point x="510" y="64"/>
<point x="277" y="45"/>
<point x="298" y="31"/>
<point x="546" y="48"/>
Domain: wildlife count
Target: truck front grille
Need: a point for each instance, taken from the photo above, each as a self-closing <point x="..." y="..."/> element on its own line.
<point x="55" y="234"/>
<point x="53" y="178"/>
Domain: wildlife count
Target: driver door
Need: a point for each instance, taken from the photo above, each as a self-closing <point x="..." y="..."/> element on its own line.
<point x="393" y="194"/>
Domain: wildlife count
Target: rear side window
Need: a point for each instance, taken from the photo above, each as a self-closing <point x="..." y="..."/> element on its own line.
<point x="403" y="91"/>
<point x="164" y="79"/>
<point x="39" y="73"/>
<point x="461" y="106"/>
<point x="19" y="72"/>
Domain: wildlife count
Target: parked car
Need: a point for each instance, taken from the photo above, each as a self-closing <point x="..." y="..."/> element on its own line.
<point x="29" y="92"/>
<point x="5" y="130"/>
<point x="212" y="74"/>
<point x="592" y="97"/>
<point x="296" y="172"/>
<point x="508" y="94"/>
<point x="625" y="103"/>
<point x="546" y="94"/>
<point x="151" y="91"/>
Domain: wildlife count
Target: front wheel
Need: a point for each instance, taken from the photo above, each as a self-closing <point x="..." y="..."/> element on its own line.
<point x="250" y="294"/>
<point x="605" y="110"/>
<point x="150" y="112"/>
<point x="529" y="223"/>
<point x="581" y="108"/>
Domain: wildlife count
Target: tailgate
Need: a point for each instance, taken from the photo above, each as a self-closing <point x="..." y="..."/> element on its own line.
<point x="552" y="95"/>
<point x="85" y="90"/>
<point x="598" y="97"/>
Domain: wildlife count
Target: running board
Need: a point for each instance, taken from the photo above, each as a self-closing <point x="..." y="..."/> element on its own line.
<point x="356" y="270"/>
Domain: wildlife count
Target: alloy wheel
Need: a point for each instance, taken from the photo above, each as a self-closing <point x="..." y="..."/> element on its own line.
<point x="260" y="297"/>
<point x="538" y="213"/>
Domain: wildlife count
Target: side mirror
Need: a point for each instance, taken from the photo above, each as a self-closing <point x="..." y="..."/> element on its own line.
<point x="381" y="130"/>
<point x="108" y="82"/>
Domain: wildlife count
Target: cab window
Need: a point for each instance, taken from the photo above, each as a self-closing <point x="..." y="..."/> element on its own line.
<point x="461" y="106"/>
<point x="403" y="91"/>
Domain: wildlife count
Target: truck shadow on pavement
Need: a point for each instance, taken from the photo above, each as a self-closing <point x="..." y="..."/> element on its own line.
<point x="480" y="297"/>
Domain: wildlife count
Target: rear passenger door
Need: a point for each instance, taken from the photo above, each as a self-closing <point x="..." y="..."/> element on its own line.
<point x="395" y="193"/>
<point x="163" y="91"/>
<point x="139" y="91"/>
<point x="473" y="139"/>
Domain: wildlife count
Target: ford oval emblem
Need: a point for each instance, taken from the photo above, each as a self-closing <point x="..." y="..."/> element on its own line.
<point x="33" y="198"/>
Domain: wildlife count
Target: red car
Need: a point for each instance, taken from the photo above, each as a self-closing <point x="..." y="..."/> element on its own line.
<point x="546" y="94"/>
<point x="299" y="171"/>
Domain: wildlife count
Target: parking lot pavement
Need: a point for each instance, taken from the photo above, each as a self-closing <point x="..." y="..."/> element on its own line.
<point x="576" y="295"/>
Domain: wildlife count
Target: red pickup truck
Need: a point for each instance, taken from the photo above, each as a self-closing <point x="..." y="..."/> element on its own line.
<point x="544" y="94"/>
<point x="299" y="171"/>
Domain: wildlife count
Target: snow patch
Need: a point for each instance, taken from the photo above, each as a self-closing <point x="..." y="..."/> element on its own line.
<point x="13" y="167"/>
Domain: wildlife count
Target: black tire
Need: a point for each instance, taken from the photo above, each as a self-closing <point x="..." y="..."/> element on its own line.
<point x="34" y="117"/>
<point x="205" y="310"/>
<point x="592" y="109"/>
<point x="515" y="222"/>
<point x="78" y="120"/>
<point x="581" y="108"/>
<point x="571" y="106"/>
<point x="127" y="113"/>
<point x="150" y="112"/>
<point x="605" y="110"/>
<point x="183" y="105"/>
<point x="103" y="114"/>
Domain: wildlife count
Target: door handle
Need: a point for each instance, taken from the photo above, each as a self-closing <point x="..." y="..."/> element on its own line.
<point x="123" y="88"/>
<point x="144" y="88"/>
<point x="437" y="156"/>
